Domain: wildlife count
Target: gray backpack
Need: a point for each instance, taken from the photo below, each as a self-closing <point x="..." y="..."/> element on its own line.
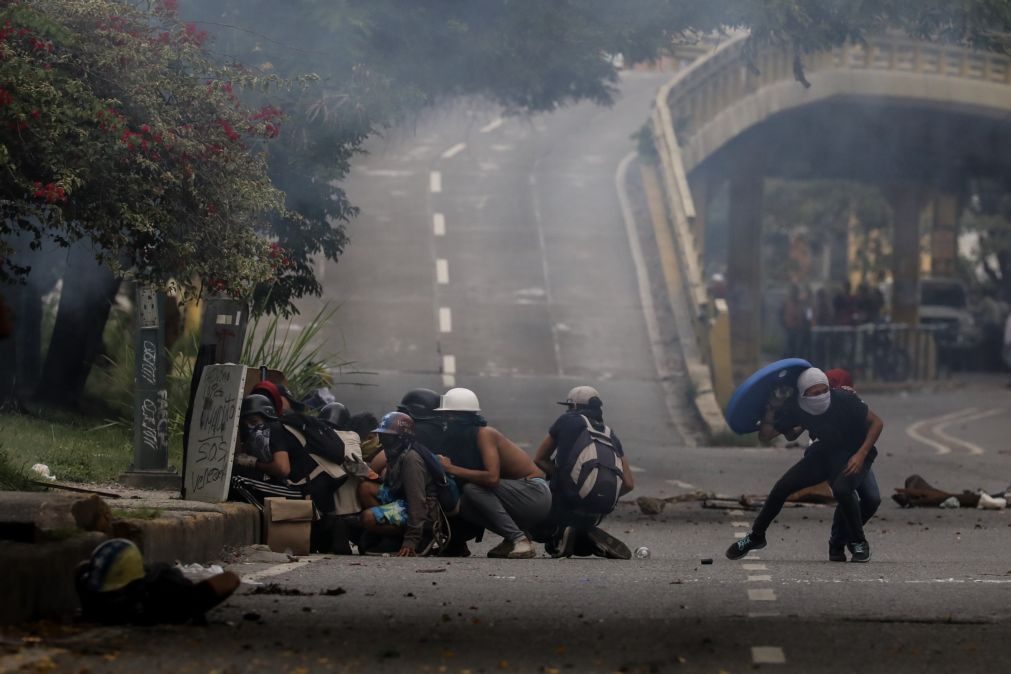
<point x="591" y="479"/>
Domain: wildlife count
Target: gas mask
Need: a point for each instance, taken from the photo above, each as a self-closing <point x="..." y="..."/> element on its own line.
<point x="256" y="441"/>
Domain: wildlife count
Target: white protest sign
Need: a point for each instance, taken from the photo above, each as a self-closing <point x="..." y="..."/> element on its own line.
<point x="213" y="430"/>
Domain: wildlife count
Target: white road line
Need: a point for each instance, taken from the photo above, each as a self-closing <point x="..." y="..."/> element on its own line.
<point x="735" y="513"/>
<point x="448" y="364"/>
<point x="679" y="483"/>
<point x="739" y="524"/>
<point x="438" y="224"/>
<point x="455" y="150"/>
<point x="445" y="319"/>
<point x="754" y="567"/>
<point x="740" y="534"/>
<point x="275" y="570"/>
<point x="767" y="655"/>
<point x="974" y="450"/>
<point x="435" y="182"/>
<point x="636" y="469"/>
<point x="762" y="594"/>
<point x="675" y="408"/>
<point x="764" y="578"/>
<point x="492" y="125"/>
<point x="442" y="271"/>
<point x="913" y="430"/>
<point x="448" y="380"/>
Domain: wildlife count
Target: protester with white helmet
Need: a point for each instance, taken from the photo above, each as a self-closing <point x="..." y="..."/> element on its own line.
<point x="503" y="490"/>
<point x="844" y="430"/>
<point x="589" y="472"/>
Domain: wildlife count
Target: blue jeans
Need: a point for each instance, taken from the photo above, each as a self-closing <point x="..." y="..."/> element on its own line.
<point x="870" y="499"/>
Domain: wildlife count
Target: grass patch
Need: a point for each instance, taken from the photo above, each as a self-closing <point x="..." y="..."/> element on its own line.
<point x="75" y="448"/>
<point x="136" y="513"/>
<point x="13" y="476"/>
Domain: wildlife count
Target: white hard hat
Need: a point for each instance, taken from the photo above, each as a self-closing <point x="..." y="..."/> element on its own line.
<point x="459" y="400"/>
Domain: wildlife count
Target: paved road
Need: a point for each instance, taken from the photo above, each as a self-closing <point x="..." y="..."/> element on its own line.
<point x="524" y="214"/>
<point x="492" y="253"/>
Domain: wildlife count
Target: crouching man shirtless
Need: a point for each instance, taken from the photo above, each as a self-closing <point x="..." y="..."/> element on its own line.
<point x="503" y="490"/>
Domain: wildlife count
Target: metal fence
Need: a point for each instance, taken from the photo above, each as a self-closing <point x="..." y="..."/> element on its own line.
<point x="884" y="352"/>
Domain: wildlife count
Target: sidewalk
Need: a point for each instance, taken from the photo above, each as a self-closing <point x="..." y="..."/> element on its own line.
<point x="44" y="535"/>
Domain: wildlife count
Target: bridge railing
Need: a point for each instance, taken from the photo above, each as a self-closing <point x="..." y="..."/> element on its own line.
<point x="714" y="83"/>
<point x="883" y="352"/>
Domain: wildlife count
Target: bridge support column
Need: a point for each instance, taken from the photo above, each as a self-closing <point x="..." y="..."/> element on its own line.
<point x="701" y="191"/>
<point x="744" y="271"/>
<point x="944" y="237"/>
<point x="907" y="202"/>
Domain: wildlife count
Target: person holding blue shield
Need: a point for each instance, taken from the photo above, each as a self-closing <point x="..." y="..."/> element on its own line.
<point x="844" y="431"/>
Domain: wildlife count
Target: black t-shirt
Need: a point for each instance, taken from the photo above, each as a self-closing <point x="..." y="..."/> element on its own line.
<point x="283" y="440"/>
<point x="566" y="430"/>
<point x="843" y="427"/>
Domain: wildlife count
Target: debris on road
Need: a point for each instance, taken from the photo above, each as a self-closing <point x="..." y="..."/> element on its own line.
<point x="918" y="493"/>
<point x="650" y="506"/>
<point x="274" y="588"/>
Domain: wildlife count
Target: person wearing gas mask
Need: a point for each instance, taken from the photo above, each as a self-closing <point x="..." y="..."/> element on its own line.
<point x="262" y="450"/>
<point x="407" y="500"/>
<point x="844" y="430"/>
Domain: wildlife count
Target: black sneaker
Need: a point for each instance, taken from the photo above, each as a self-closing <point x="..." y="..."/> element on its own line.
<point x="836" y="553"/>
<point x="750" y="542"/>
<point x="608" y="545"/>
<point x="861" y="551"/>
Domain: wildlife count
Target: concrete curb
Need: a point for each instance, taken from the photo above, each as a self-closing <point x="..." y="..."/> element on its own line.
<point x="41" y="574"/>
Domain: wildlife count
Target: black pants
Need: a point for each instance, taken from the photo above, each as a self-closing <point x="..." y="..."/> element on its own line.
<point x="819" y="464"/>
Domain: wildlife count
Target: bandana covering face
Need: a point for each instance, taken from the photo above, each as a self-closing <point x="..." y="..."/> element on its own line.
<point x="814" y="405"/>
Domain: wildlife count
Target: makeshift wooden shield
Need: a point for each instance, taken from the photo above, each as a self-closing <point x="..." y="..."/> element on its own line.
<point x="747" y="405"/>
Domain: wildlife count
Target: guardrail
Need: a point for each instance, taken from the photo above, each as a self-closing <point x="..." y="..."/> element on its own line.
<point x="884" y="352"/>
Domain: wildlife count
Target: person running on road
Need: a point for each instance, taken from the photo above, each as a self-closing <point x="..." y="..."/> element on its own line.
<point x="868" y="491"/>
<point x="572" y="528"/>
<point x="503" y="490"/>
<point x="845" y="430"/>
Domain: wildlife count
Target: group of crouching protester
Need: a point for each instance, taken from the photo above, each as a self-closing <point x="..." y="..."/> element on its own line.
<point x="432" y="476"/>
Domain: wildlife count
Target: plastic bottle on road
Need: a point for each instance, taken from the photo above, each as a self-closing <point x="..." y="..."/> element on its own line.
<point x="642" y="552"/>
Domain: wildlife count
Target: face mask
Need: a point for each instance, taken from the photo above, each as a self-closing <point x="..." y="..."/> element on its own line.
<point x="816" y="405"/>
<point x="393" y="445"/>
<point x="256" y="441"/>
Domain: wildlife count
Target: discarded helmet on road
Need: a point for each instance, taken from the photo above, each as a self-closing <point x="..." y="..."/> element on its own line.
<point x="336" y="414"/>
<point x="459" y="400"/>
<point x="395" y="423"/>
<point x="257" y="403"/>
<point x="420" y="403"/>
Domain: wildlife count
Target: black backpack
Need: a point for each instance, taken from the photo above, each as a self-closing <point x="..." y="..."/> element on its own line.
<point x="590" y="481"/>
<point x="320" y="437"/>
<point x="446" y="488"/>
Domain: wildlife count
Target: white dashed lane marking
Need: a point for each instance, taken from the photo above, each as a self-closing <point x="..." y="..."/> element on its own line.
<point x="448" y="370"/>
<point x="637" y="469"/>
<point x="455" y="150"/>
<point x="762" y="594"/>
<point x="435" y="182"/>
<point x="767" y="655"/>
<point x="445" y="320"/>
<point x="442" y="271"/>
<point x="754" y="567"/>
<point x="492" y="125"/>
<point x="682" y="485"/>
<point x="764" y="578"/>
<point x="439" y="224"/>
<point x="740" y="534"/>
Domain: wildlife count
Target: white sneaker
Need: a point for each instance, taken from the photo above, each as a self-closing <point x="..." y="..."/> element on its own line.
<point x="522" y="549"/>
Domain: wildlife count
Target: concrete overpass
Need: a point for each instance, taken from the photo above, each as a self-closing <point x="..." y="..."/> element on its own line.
<point x="915" y="119"/>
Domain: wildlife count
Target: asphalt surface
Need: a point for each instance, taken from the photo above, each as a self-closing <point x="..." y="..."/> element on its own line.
<point x="541" y="287"/>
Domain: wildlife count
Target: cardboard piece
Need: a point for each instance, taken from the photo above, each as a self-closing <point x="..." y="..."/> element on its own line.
<point x="213" y="431"/>
<point x="287" y="524"/>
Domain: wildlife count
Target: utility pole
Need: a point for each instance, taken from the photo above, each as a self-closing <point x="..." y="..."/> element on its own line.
<point x="150" y="469"/>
